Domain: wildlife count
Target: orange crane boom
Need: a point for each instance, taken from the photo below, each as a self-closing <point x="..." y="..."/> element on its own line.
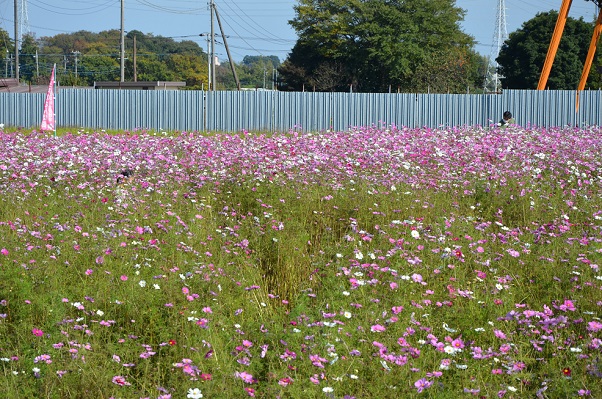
<point x="557" y="35"/>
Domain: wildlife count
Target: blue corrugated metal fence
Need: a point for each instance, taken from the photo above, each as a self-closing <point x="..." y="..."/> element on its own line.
<point x="230" y="111"/>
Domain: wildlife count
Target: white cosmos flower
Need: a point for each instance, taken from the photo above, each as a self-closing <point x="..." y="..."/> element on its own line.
<point x="415" y="234"/>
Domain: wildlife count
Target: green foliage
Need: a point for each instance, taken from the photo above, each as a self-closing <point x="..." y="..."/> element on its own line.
<point x="298" y="264"/>
<point x="6" y="44"/>
<point x="522" y="56"/>
<point x="257" y="71"/>
<point x="157" y="58"/>
<point x="375" y="46"/>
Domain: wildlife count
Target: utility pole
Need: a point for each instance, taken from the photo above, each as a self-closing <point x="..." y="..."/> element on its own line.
<point x="76" y="53"/>
<point x="122" y="43"/>
<point x="16" y="41"/>
<point x="37" y="65"/>
<point x="227" y="49"/>
<point x="207" y="35"/>
<point x="135" y="62"/>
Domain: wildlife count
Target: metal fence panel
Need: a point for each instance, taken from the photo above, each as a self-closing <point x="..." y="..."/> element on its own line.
<point x="230" y="111"/>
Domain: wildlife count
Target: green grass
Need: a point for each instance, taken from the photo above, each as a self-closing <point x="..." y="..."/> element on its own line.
<point x="218" y="274"/>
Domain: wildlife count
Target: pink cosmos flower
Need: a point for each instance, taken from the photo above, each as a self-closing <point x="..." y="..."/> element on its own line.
<point x="397" y="309"/>
<point x="422" y="384"/>
<point x="567" y="305"/>
<point x="594" y="326"/>
<point x="119" y="380"/>
<point x="457" y="343"/>
<point x="285" y="381"/>
<point x="246" y="377"/>
<point x="499" y="334"/>
<point x="37" y="332"/>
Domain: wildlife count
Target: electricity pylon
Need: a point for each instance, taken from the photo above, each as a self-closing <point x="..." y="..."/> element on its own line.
<point x="499" y="37"/>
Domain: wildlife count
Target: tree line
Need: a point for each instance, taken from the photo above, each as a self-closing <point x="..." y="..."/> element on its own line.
<point x="83" y="58"/>
<point x="342" y="45"/>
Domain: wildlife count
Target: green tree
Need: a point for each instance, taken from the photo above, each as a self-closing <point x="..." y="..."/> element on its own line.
<point x="188" y="68"/>
<point x="522" y="56"/>
<point x="375" y="44"/>
<point x="256" y="70"/>
<point x="28" y="64"/>
<point x="454" y="71"/>
<point x="98" y="64"/>
<point x="7" y="48"/>
<point x="150" y="67"/>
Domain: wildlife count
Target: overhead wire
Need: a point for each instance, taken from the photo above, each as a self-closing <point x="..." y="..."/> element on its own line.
<point x="171" y="10"/>
<point x="245" y="18"/>
<point x="77" y="11"/>
<point x="241" y="22"/>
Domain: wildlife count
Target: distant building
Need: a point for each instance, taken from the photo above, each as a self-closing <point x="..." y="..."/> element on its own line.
<point x="153" y="85"/>
<point x="11" y="85"/>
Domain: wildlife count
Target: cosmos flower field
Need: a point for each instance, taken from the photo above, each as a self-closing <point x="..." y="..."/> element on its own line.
<point x="368" y="263"/>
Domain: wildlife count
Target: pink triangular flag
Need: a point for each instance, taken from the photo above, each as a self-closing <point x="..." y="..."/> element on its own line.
<point x="48" y="121"/>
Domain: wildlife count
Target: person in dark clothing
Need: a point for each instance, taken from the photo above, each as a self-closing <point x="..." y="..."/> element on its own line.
<point x="126" y="175"/>
<point x="506" y="119"/>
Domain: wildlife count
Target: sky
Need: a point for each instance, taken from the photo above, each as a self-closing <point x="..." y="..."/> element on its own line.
<point x="251" y="27"/>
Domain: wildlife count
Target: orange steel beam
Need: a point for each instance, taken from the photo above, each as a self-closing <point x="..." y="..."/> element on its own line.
<point x="591" y="52"/>
<point x="590" y="57"/>
<point x="558" y="30"/>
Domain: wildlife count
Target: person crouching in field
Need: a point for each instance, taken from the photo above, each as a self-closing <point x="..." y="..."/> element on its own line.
<point x="124" y="192"/>
<point x="506" y="119"/>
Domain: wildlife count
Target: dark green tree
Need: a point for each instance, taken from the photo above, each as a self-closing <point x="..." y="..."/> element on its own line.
<point x="28" y="64"/>
<point x="7" y="48"/>
<point x="375" y="45"/>
<point x="522" y="56"/>
<point x="98" y="64"/>
<point x="255" y="71"/>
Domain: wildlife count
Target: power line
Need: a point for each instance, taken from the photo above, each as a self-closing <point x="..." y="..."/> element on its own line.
<point x="72" y="11"/>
